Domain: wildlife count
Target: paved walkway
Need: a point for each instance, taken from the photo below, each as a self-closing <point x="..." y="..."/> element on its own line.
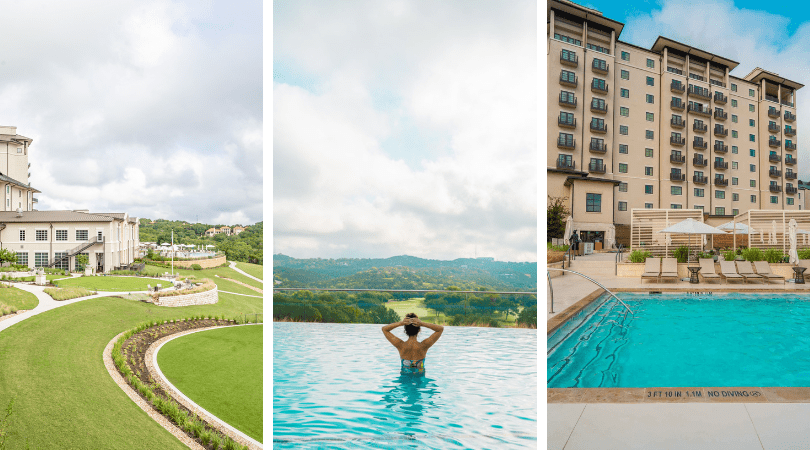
<point x="233" y="266"/>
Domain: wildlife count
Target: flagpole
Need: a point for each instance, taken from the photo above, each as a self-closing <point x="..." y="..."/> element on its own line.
<point x="172" y="253"/>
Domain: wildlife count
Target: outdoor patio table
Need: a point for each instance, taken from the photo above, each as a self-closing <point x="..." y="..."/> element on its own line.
<point x="798" y="274"/>
<point x="693" y="277"/>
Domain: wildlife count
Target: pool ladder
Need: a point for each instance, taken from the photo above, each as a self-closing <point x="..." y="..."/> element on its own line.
<point x="551" y="289"/>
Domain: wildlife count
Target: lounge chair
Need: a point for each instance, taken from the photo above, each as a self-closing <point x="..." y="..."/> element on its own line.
<point x="764" y="269"/>
<point x="728" y="272"/>
<point x="745" y="269"/>
<point x="669" y="269"/>
<point x="707" y="270"/>
<point x="652" y="269"/>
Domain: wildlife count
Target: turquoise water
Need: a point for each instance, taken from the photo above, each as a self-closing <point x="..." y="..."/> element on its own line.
<point x="677" y="340"/>
<point x="339" y="386"/>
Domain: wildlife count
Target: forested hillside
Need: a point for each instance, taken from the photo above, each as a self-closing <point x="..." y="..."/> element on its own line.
<point x="247" y="246"/>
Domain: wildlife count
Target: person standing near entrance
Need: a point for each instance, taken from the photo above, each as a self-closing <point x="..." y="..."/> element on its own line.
<point x="575" y="242"/>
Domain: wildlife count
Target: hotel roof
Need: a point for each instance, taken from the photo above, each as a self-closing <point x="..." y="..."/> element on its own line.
<point x="662" y="42"/>
<point x="758" y="74"/>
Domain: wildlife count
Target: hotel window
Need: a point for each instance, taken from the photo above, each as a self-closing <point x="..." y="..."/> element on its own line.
<point x="622" y="206"/>
<point x="61" y="235"/>
<point x="733" y="164"/>
<point x="700" y="207"/>
<point x="622" y="167"/>
<point x="8" y="189"/>
<point x="735" y="212"/>
<point x="648" y="189"/>
<point x="753" y="167"/>
<point x="750" y="107"/>
<point x="719" y="211"/>
<point x="63" y="262"/>
<point x="698" y="192"/>
<point x="720" y="194"/>
<point x="753" y="199"/>
<point x="734" y="134"/>
<point x="675" y="206"/>
<point x="622" y="187"/>
<point x="735" y="197"/>
<point x="753" y="183"/>
<point x="42" y="235"/>
<point x="624" y="111"/>
<point x="734" y="149"/>
<point x="650" y="117"/>
<point x="593" y="202"/>
<point x="676" y="190"/>
<point x="564" y="38"/>
<point x="567" y="118"/>
<point x="650" y="63"/>
<point x="598" y="103"/>
<point x="735" y="181"/>
<point x="752" y="138"/>
<point x="599" y="83"/>
<point x="650" y="81"/>
<point x="22" y="258"/>
<point x="40" y="259"/>
<point x="623" y="148"/>
<point x="626" y="56"/>
<point x="625" y="93"/>
<point x="648" y="152"/>
<point x="567" y="97"/>
<point x="22" y="235"/>
<point x="734" y="118"/>
<point x="648" y="171"/>
<point x="790" y="200"/>
<point x="19" y="150"/>
<point x="623" y="130"/>
<point x="648" y="205"/>
<point x="733" y="103"/>
<point x="566" y="138"/>
<point x="751" y="122"/>
<point x="625" y="75"/>
<point x="750" y="92"/>
<point x="650" y="98"/>
<point x="82" y="235"/>
<point x="774" y="199"/>
<point x="752" y="152"/>
<point x="650" y="134"/>
<point x="733" y="87"/>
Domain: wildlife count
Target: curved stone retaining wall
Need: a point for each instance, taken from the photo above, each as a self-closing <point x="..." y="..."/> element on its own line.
<point x="200" y="298"/>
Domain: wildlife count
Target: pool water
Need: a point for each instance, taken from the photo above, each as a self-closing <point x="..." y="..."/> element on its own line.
<point x="678" y="340"/>
<point x="339" y="386"/>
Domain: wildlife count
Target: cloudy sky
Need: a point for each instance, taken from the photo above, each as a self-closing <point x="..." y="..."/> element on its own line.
<point x="148" y="107"/>
<point x="771" y="35"/>
<point x="405" y="127"/>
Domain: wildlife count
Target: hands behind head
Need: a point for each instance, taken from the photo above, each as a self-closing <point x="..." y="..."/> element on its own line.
<point x="412" y="321"/>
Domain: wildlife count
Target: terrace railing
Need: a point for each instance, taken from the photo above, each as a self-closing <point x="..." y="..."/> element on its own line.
<point x="587" y="278"/>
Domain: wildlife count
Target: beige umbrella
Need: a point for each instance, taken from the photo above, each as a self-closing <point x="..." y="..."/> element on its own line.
<point x="772" y="238"/>
<point x="610" y="236"/>
<point x="569" y="229"/>
<point x="794" y="254"/>
<point x="691" y="226"/>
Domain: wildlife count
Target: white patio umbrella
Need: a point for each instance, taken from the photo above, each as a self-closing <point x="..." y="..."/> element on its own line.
<point x="772" y="238"/>
<point x="610" y="236"/>
<point x="569" y="229"/>
<point x="210" y="246"/>
<point x="691" y="226"/>
<point x="669" y="239"/>
<point x="761" y="239"/>
<point x="740" y="228"/>
<point x="794" y="254"/>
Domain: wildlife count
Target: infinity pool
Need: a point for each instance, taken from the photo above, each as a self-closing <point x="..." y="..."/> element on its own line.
<point x="339" y="386"/>
<point x="677" y="340"/>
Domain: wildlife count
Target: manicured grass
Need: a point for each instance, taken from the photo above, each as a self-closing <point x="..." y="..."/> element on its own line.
<point x="52" y="363"/>
<point x="252" y="269"/>
<point x="220" y="370"/>
<point x="48" y="277"/>
<point x="113" y="284"/>
<point x="208" y="273"/>
<point x="17" y="298"/>
<point x="68" y="293"/>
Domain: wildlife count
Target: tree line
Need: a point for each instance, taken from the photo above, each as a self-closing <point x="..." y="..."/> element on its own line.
<point x="333" y="307"/>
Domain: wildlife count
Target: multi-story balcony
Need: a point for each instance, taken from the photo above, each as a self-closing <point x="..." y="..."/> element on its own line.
<point x="597" y="127"/>
<point x="773" y="128"/>
<point x="698" y="179"/>
<point x="597" y="167"/>
<point x="720" y="131"/>
<point x="790" y="131"/>
<point x="566" y="123"/>
<point x="790" y="160"/>
<point x="677" y="159"/>
<point x="569" y="81"/>
<point x="720" y="181"/>
<point x="566" y="143"/>
<point x="675" y="140"/>
<point x="697" y="91"/>
<point x="720" y="148"/>
<point x="677" y="176"/>
<point x="699" y="145"/>
<point x="790" y="117"/>
<point x="720" y="98"/>
<point x="700" y="127"/>
<point x="720" y="115"/>
<point x="599" y="88"/>
<point x="600" y="67"/>
<point x="773" y="112"/>
<point x="566" y="165"/>
<point x="597" y="147"/>
<point x="677" y="123"/>
<point x="677" y="87"/>
<point x="700" y="162"/>
<point x="775" y="173"/>
<point x="677" y="105"/>
<point x="567" y="100"/>
<point x="697" y="109"/>
<point x="790" y="146"/>
<point x="790" y="190"/>
<point x="569" y="58"/>
<point x="791" y="175"/>
<point x="775" y="188"/>
<point x="774" y="158"/>
<point x="720" y="165"/>
<point x="599" y="107"/>
<point x="774" y="142"/>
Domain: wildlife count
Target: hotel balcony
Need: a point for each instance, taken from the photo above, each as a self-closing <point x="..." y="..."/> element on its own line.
<point x="700" y="162"/>
<point x="774" y="142"/>
<point x="677" y="141"/>
<point x="790" y="117"/>
<point x="599" y="88"/>
<point x="674" y="176"/>
<point x="598" y="128"/>
<point x="719" y="181"/>
<point x="720" y="131"/>
<point x="773" y="112"/>
<point x="677" y="105"/>
<point x="677" y="159"/>
<point x="720" y="148"/>
<point x="700" y="145"/>
<point x="791" y="175"/>
<point x="567" y="81"/>
<point x="773" y="128"/>
<point x="567" y="101"/>
<point x="699" y="179"/>
<point x="700" y="127"/>
<point x="600" y="68"/>
<point x="774" y="158"/>
<point x="720" y="98"/>
<point x="789" y="160"/>
<point x="597" y="108"/>
<point x="774" y="173"/>
<point x="677" y="87"/>
<point x="700" y="93"/>
<point x="720" y="115"/>
<point x="566" y="165"/>
<point x="570" y="60"/>
<point x="597" y="167"/>
<point x="790" y="146"/>
<point x="701" y="111"/>
<point x="775" y="188"/>
<point x="597" y="147"/>
<point x="677" y="123"/>
<point x="720" y="165"/>
<point x="790" y="190"/>
<point x="790" y="131"/>
<point x="566" y="143"/>
<point x="563" y="123"/>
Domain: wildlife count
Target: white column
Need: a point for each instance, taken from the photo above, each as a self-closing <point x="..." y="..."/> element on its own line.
<point x="708" y="72"/>
<point x="613" y="42"/>
<point x="585" y="34"/>
<point x="551" y="24"/>
<point x="725" y="79"/>
<point x="762" y="96"/>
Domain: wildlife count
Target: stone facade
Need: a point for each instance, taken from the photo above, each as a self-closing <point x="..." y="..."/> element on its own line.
<point x="200" y="298"/>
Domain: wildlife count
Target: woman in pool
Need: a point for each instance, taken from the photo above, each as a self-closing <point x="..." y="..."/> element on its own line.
<point x="412" y="352"/>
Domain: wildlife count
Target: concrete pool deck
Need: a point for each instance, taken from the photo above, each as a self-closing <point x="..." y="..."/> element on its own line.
<point x="774" y="418"/>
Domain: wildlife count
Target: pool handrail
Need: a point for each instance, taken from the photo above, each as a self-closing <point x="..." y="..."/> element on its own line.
<point x="587" y="278"/>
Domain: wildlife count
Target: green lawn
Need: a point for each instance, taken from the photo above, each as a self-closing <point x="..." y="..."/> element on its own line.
<point x="209" y="273"/>
<point x="417" y="305"/>
<point x="220" y="370"/>
<point x="112" y="283"/>
<point x="49" y="277"/>
<point x="52" y="363"/>
<point x="251" y="269"/>
<point x="18" y="298"/>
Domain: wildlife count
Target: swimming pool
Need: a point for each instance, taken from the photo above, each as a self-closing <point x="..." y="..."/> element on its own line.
<point x="339" y="386"/>
<point x="683" y="340"/>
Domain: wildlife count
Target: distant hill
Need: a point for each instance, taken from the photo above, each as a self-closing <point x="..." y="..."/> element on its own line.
<point x="404" y="272"/>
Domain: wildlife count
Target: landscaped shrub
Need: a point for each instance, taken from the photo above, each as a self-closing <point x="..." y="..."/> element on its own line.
<point x="68" y="293"/>
<point x="753" y="254"/>
<point x="639" y="256"/>
<point x="804" y="253"/>
<point x="703" y="255"/>
<point x="556" y="248"/>
<point x="206" y="286"/>
<point x="196" y="267"/>
<point x="681" y="253"/>
<point x="729" y="255"/>
<point x="773" y="255"/>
